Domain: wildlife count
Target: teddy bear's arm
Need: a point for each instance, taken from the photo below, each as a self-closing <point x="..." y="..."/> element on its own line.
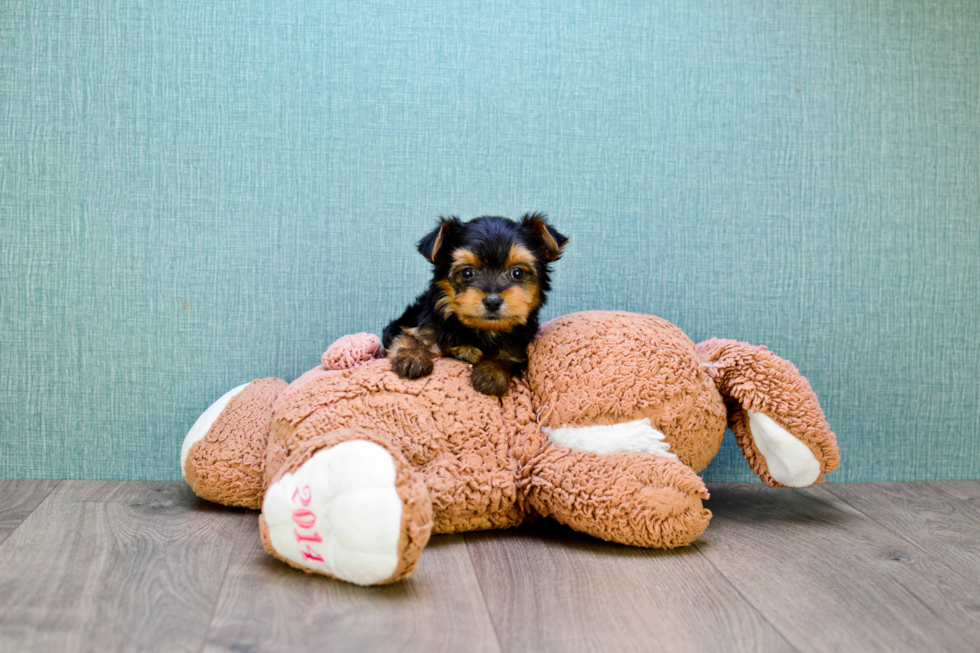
<point x="773" y="412"/>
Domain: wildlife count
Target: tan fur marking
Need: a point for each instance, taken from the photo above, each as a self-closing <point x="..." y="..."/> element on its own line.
<point x="554" y="251"/>
<point x="512" y="355"/>
<point x="464" y="257"/>
<point x="468" y="307"/>
<point x="470" y="302"/>
<point x="397" y="346"/>
<point x="427" y="335"/>
<point x="520" y="301"/>
<point x="520" y="255"/>
<point x="467" y="354"/>
<point x="437" y="244"/>
<point x="446" y="304"/>
<point x="503" y="325"/>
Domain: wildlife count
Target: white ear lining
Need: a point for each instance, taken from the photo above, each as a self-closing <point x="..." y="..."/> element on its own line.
<point x="789" y="461"/>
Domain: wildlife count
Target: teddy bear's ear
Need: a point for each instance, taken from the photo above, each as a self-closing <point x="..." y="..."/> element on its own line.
<point x="431" y="245"/>
<point x="552" y="241"/>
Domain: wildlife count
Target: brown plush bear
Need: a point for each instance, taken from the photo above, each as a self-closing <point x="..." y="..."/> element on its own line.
<point x="354" y="468"/>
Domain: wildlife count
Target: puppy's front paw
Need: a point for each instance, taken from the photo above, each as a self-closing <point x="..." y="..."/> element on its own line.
<point x="412" y="365"/>
<point x="491" y="377"/>
<point x="410" y="358"/>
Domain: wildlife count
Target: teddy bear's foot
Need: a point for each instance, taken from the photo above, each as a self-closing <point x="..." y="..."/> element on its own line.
<point x="354" y="511"/>
<point x="773" y="412"/>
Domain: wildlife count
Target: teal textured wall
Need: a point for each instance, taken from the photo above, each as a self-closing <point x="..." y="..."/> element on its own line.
<point x="193" y="196"/>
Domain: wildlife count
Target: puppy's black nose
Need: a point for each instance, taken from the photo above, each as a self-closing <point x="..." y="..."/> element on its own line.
<point x="493" y="302"/>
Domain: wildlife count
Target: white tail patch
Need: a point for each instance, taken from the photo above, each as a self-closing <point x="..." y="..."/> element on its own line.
<point x="638" y="436"/>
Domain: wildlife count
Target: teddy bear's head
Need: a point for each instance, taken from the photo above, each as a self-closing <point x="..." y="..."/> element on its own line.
<point x="637" y="374"/>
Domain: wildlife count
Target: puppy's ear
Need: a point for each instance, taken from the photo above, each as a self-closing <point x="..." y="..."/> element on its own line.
<point x="432" y="243"/>
<point x="552" y="241"/>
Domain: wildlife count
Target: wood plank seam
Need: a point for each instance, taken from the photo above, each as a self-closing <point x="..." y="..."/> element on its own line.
<point x="749" y="603"/>
<point x="128" y="565"/>
<point x="39" y="504"/>
<point x="899" y="534"/>
<point x="552" y="589"/>
<point x="939" y="486"/>
<point x="217" y="596"/>
<point x="483" y="593"/>
<point x="828" y="558"/>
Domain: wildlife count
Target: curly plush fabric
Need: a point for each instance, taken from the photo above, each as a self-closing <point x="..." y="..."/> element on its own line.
<point x="228" y="465"/>
<point x="416" y="516"/>
<point x="466" y="461"/>
<point x="653" y="502"/>
<point x="753" y="378"/>
<point x="345" y="354"/>
<point x="603" y="367"/>
<point x="352" y="351"/>
<point x="455" y="437"/>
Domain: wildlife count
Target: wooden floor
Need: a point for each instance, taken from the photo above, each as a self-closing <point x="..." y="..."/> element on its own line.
<point x="107" y="566"/>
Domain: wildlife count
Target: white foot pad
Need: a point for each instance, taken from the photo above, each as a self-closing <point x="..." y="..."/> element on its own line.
<point x="790" y="461"/>
<point x="204" y="422"/>
<point x="339" y="513"/>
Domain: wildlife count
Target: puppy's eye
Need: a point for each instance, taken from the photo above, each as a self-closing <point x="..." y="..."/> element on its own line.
<point x="517" y="274"/>
<point x="467" y="274"/>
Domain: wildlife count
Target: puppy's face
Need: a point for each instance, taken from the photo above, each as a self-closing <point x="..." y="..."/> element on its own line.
<point x="490" y="289"/>
<point x="493" y="272"/>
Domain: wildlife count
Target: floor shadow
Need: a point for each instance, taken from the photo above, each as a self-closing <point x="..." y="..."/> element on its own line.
<point x="552" y="533"/>
<point x="764" y="505"/>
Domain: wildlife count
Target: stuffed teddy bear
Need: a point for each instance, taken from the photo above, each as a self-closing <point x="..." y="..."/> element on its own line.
<point x="353" y="467"/>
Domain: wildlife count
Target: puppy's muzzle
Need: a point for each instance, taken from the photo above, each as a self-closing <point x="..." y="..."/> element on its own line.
<point x="493" y="302"/>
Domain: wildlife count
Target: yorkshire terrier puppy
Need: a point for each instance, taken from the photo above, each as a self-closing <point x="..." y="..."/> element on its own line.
<point x="490" y="279"/>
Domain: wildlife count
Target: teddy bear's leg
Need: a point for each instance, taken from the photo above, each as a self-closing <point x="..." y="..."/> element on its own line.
<point x="347" y="505"/>
<point x="631" y="498"/>
<point x="773" y="412"/>
<point x="223" y="455"/>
